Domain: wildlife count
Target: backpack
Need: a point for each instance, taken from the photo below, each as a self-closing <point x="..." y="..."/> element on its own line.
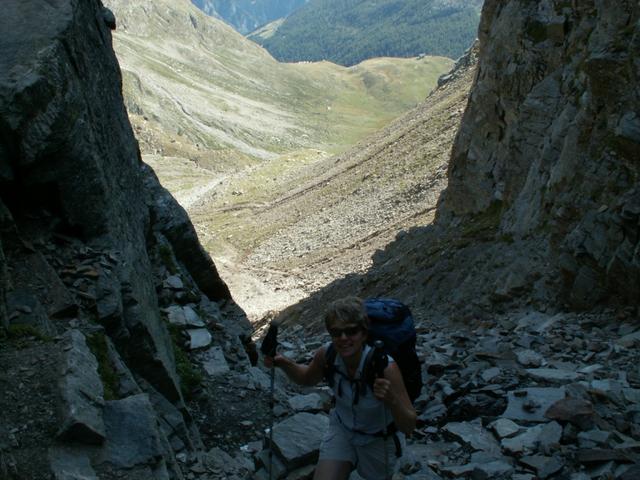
<point x="391" y="322"/>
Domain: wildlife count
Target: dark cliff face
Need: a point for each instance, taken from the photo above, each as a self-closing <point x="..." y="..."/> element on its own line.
<point x="72" y="185"/>
<point x="550" y="140"/>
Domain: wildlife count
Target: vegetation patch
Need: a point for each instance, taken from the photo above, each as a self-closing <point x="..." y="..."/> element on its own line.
<point x="20" y="335"/>
<point x="190" y="377"/>
<point x="97" y="343"/>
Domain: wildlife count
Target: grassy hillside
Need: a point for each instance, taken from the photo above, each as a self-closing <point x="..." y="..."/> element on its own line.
<point x="196" y="88"/>
<point x="349" y="31"/>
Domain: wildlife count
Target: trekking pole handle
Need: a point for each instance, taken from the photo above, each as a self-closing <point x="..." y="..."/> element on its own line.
<point x="270" y="342"/>
<point x="381" y="360"/>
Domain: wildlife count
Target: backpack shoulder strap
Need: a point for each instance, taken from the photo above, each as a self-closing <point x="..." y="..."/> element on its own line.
<point x="368" y="371"/>
<point x="329" y="365"/>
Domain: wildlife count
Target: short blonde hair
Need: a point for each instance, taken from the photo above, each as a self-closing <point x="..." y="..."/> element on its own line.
<point x="346" y="311"/>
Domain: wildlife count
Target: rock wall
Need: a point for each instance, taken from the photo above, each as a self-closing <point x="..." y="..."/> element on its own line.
<point x="550" y="140"/>
<point x="88" y="237"/>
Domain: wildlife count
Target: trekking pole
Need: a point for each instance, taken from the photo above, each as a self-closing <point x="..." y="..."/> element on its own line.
<point x="380" y="363"/>
<point x="268" y="348"/>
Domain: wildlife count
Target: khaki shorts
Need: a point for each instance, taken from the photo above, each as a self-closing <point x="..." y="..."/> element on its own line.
<point x="365" y="453"/>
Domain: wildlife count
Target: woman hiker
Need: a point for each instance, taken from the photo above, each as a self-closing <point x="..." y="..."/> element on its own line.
<point x="367" y="424"/>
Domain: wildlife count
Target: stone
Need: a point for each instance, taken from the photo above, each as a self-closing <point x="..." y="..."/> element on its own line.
<point x="533" y="439"/>
<point x="505" y="428"/>
<point x="132" y="435"/>
<point x="297" y="439"/>
<point x="492" y="469"/>
<point x="25" y="309"/>
<point x="192" y="318"/>
<point x="218" y="459"/>
<point x="633" y="473"/>
<point x="543" y="465"/>
<point x="214" y="362"/>
<point x="474" y="435"/>
<point x="553" y="375"/>
<point x="311" y="402"/>
<point x="432" y="453"/>
<point x="70" y="464"/>
<point x="529" y="358"/>
<point x="273" y="463"/>
<point x="541" y="398"/>
<point x="51" y="293"/>
<point x="537" y="322"/>
<point x="184" y="316"/>
<point x="612" y="389"/>
<point x="577" y="411"/>
<point x="81" y="392"/>
<point x="199" y="338"/>
<point x="174" y="282"/>
<point x="589" y="369"/>
<point x="593" y="438"/>
<point x="259" y="377"/>
<point x="600" y="455"/>
<point x="629" y="340"/>
<point x="631" y="395"/>
<point x="304" y="473"/>
<point x="490" y="374"/>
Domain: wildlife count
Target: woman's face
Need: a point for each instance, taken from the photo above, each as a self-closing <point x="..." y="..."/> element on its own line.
<point x="348" y="339"/>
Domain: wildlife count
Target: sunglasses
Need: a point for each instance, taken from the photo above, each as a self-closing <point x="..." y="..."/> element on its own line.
<point x="348" y="331"/>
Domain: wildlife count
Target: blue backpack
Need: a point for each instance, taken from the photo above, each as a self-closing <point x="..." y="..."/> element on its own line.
<point x="391" y="322"/>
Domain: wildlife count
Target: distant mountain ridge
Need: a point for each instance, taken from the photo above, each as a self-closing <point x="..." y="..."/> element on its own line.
<point x="247" y="15"/>
<point x="349" y="31"/>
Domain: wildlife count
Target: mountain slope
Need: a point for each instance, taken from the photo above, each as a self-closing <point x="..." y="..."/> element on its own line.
<point x="290" y="227"/>
<point x="349" y="31"/>
<point x="247" y="15"/>
<point x="195" y="88"/>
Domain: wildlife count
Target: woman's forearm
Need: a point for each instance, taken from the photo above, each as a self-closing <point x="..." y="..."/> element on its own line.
<point x="298" y="373"/>
<point x="403" y="417"/>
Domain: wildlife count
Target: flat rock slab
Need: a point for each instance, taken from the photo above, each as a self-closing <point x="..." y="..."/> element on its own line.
<point x="553" y="375"/>
<point x="537" y="322"/>
<point x="70" y="464"/>
<point x="81" y="392"/>
<point x="530" y="404"/>
<point x="490" y="469"/>
<point x="431" y="453"/>
<point x="297" y="439"/>
<point x="533" y="438"/>
<point x="474" y="435"/>
<point x="133" y="438"/>
<point x="544" y="466"/>
<point x="311" y="402"/>
<point x="184" y="316"/>
<point x="214" y="362"/>
<point x="505" y="428"/>
<point x="199" y="338"/>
